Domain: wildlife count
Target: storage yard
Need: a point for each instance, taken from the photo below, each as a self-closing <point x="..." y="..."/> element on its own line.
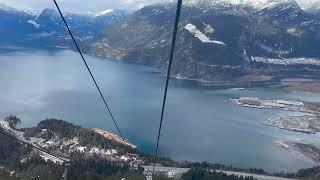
<point x="304" y="118"/>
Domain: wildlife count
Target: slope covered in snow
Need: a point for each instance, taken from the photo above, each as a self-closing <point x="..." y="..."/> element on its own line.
<point x="24" y="27"/>
<point x="106" y="12"/>
<point x="201" y="36"/>
<point x="6" y="8"/>
<point x="36" y="25"/>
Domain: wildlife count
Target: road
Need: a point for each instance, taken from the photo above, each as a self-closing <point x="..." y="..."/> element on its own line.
<point x="19" y="136"/>
<point x="255" y="176"/>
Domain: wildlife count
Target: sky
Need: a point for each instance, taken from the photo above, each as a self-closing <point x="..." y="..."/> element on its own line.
<point x="84" y="6"/>
<point x="80" y="6"/>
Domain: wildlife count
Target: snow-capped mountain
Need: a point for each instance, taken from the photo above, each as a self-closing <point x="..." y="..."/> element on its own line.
<point x="9" y="9"/>
<point x="110" y="16"/>
<point x="14" y="24"/>
<point x="83" y="24"/>
<point x="310" y="6"/>
<point x="219" y="39"/>
<point x="46" y="27"/>
<point x="257" y="4"/>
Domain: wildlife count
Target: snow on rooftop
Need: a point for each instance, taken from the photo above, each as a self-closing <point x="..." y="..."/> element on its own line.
<point x="124" y="158"/>
<point x="201" y="36"/>
<point x="46" y="157"/>
<point x="81" y="149"/>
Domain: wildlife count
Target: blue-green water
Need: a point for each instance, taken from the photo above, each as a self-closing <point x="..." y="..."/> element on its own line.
<point x="200" y="123"/>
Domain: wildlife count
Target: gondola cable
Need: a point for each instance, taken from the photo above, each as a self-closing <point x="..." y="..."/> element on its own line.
<point x="173" y="44"/>
<point x="88" y="68"/>
<point x="174" y="37"/>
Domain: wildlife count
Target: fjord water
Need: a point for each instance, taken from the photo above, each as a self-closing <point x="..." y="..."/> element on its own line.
<point x="200" y="123"/>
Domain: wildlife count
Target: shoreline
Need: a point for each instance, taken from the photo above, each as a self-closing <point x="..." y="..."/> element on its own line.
<point x="132" y="159"/>
<point x="114" y="137"/>
<point x="310" y="151"/>
<point x="306" y="120"/>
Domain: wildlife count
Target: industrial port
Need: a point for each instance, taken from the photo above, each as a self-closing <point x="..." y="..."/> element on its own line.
<point x="304" y="118"/>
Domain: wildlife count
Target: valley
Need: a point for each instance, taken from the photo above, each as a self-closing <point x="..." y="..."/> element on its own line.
<point x="70" y="95"/>
<point x="245" y="77"/>
<point x="218" y="41"/>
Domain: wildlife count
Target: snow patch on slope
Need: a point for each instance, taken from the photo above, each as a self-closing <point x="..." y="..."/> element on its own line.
<point x="289" y="61"/>
<point x="106" y="12"/>
<point x="272" y="50"/>
<point x="36" y="25"/>
<point x="202" y="37"/>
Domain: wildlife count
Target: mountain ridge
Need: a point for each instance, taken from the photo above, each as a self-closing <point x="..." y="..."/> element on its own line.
<point x="23" y="28"/>
<point x="281" y="31"/>
<point x="221" y="41"/>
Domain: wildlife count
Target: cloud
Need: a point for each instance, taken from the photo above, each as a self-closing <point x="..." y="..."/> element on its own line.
<point x="80" y="5"/>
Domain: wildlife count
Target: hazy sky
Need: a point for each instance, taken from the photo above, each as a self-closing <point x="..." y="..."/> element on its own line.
<point x="80" y="5"/>
<point x="84" y="6"/>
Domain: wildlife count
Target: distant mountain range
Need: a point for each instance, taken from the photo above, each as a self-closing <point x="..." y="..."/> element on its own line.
<point x="218" y="40"/>
<point x="25" y="28"/>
